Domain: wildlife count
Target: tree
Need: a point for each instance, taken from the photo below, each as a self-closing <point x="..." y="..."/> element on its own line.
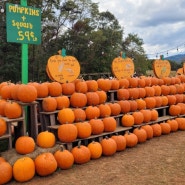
<point x="133" y="47"/>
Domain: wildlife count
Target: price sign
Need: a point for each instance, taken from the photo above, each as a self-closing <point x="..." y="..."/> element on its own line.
<point x="23" y="24"/>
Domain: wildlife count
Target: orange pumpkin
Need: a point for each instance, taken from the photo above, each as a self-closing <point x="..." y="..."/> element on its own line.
<point x="84" y="129"/>
<point x="109" y="146"/>
<point x="92" y="98"/>
<point x="115" y="108"/>
<point x="127" y="120"/>
<point x="49" y="104"/>
<point x="149" y="131"/>
<point x="165" y="128"/>
<point x="66" y="115"/>
<point x="24" y="145"/>
<point x="81" y="154"/>
<point x="173" y="125"/>
<point x="131" y="139"/>
<point x="141" y="134"/>
<point x="23" y="169"/>
<point x="120" y="142"/>
<point x="102" y="96"/>
<point x="78" y="100"/>
<point x="26" y="93"/>
<point x="157" y="131"/>
<point x="68" y="88"/>
<point x="81" y="86"/>
<point x="97" y="126"/>
<point x="45" y="164"/>
<point x="64" y="158"/>
<point x="95" y="149"/>
<point x="92" y="112"/>
<point x="80" y="114"/>
<point x="6" y="172"/>
<point x="138" y="117"/>
<point x="67" y="133"/>
<point x="109" y="124"/>
<point x="123" y="94"/>
<point x="174" y="110"/>
<point x="125" y="106"/>
<point x="3" y="127"/>
<point x="105" y="110"/>
<point x="92" y="85"/>
<point x="46" y="139"/>
<point x="104" y="84"/>
<point x="12" y="110"/>
<point x="62" y="102"/>
<point x="42" y="90"/>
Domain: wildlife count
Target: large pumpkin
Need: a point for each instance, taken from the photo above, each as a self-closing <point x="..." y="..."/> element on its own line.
<point x="45" y="164"/>
<point x="67" y="133"/>
<point x="27" y="93"/>
<point x="6" y="172"/>
<point x="12" y="110"/>
<point x="23" y="169"/>
<point x="109" y="146"/>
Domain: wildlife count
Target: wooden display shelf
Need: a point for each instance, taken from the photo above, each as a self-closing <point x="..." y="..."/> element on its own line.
<point x="85" y="141"/>
<point x="19" y="129"/>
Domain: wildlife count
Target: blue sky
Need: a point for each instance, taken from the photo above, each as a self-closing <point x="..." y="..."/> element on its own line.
<point x="160" y="23"/>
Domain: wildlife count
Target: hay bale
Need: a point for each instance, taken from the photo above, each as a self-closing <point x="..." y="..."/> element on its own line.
<point x="11" y="155"/>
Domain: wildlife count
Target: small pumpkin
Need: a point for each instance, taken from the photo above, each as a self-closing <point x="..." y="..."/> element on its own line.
<point x="165" y="128"/>
<point x="127" y="120"/>
<point x="25" y="145"/>
<point x="78" y="100"/>
<point x="173" y="124"/>
<point x="46" y="139"/>
<point x="62" y="102"/>
<point x="95" y="149"/>
<point x="109" y="146"/>
<point x="54" y="89"/>
<point x="97" y="126"/>
<point x="66" y="115"/>
<point x="105" y="110"/>
<point x="157" y="131"/>
<point x="109" y="124"/>
<point x="64" y="158"/>
<point x="141" y="134"/>
<point x="131" y="139"/>
<point x="84" y="129"/>
<point x="49" y="104"/>
<point x="120" y="141"/>
<point x="81" y="153"/>
<point x="92" y="112"/>
<point x="149" y="131"/>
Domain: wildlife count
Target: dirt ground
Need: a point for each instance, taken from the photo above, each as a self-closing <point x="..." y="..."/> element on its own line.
<point x="158" y="161"/>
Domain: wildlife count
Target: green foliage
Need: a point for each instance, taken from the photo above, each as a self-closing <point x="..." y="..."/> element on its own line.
<point x="94" y="38"/>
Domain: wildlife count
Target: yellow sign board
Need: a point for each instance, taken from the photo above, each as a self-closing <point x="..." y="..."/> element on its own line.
<point x="122" y="67"/>
<point x="63" y="68"/>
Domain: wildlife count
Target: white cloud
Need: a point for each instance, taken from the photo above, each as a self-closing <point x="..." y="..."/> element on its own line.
<point x="160" y="23"/>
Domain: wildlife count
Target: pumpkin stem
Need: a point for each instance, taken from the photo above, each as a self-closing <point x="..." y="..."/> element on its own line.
<point x="62" y="148"/>
<point x="79" y="144"/>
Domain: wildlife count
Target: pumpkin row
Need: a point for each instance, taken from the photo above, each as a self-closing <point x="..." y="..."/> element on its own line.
<point x="47" y="163"/>
<point x="26" y="93"/>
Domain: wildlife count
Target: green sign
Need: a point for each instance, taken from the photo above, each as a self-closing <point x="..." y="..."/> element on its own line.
<point x="23" y="24"/>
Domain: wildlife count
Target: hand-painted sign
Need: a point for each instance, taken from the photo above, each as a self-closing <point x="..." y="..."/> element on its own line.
<point x="23" y="24"/>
